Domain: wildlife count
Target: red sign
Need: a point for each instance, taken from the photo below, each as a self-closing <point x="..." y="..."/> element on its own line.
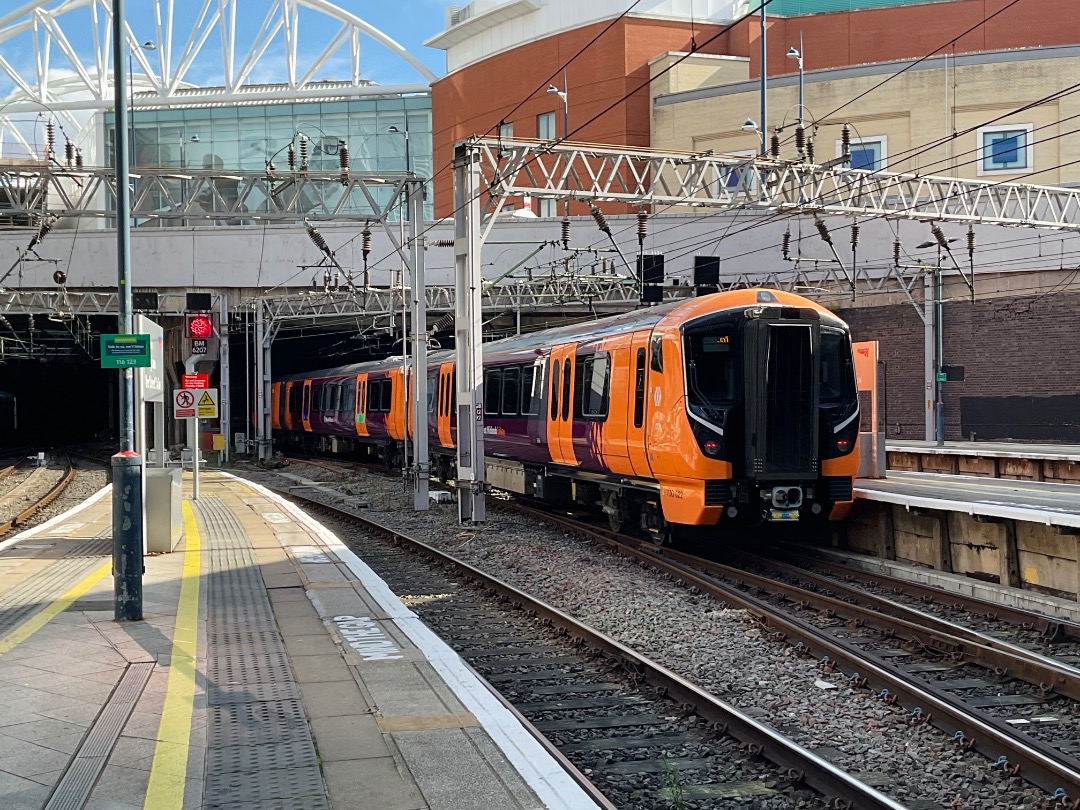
<point x="189" y="381"/>
<point x="199" y="326"/>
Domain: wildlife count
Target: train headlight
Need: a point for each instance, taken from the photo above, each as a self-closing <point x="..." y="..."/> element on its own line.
<point x="843" y="445"/>
<point x="711" y="448"/>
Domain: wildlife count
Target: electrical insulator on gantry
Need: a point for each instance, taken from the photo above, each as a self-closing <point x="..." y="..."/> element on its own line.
<point x="69" y="153"/>
<point x="292" y="157"/>
<point x="601" y="220"/>
<point x="566" y="233"/>
<point x="845" y="140"/>
<point x="642" y="227"/>
<point x="854" y="235"/>
<point x="774" y="145"/>
<point x="896" y="252"/>
<point x="78" y="158"/>
<point x="800" y="139"/>
<point x="823" y="230"/>
<point x="365" y="244"/>
<point x="343" y="161"/>
<point x="971" y="243"/>
<point x="785" y="246"/>
<point x="810" y="150"/>
<point x="303" y="153"/>
<point x="50" y="140"/>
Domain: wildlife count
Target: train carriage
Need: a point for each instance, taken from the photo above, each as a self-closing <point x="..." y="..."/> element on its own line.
<point x="737" y="407"/>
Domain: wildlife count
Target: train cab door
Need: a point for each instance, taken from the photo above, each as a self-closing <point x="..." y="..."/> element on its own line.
<point x="360" y="406"/>
<point x="305" y="408"/>
<point x="560" y="410"/>
<point x="637" y="406"/>
<point x="275" y="402"/>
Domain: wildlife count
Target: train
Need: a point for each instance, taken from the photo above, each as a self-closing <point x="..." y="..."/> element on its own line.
<point x="737" y="408"/>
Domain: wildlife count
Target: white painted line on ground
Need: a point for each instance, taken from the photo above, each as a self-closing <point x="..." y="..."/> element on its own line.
<point x="48" y="524"/>
<point x="551" y="783"/>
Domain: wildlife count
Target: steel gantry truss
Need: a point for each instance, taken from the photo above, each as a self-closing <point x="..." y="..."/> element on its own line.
<point x="30" y="193"/>
<point x="490" y="171"/>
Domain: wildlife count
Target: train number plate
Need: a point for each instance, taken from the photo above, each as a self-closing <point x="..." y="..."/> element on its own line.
<point x="784" y="514"/>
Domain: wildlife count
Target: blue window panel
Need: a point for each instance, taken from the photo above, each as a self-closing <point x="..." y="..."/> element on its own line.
<point x="1005" y="150"/>
<point x="866" y="156"/>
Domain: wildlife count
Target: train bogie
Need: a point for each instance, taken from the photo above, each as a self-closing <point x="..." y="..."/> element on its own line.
<point x="734" y="408"/>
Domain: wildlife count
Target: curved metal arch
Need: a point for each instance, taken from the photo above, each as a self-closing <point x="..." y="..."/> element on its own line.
<point x="167" y="68"/>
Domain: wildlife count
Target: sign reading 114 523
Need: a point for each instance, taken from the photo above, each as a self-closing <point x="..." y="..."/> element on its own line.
<point x="125" y="351"/>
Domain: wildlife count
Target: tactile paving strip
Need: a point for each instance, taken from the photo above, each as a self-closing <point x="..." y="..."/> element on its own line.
<point x="260" y="753"/>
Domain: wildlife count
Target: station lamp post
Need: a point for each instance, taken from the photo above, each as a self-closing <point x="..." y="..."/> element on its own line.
<point x="564" y="94"/>
<point x="797" y="54"/>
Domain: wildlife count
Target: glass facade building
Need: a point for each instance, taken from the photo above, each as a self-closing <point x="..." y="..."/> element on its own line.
<point x="389" y="133"/>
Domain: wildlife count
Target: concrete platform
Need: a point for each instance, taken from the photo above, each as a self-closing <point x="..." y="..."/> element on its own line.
<point x="272" y="669"/>
<point x="1011" y="460"/>
<point x="1060" y="452"/>
<point x="1051" y="504"/>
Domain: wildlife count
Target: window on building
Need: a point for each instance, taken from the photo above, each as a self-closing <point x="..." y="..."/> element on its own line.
<point x="506" y="131"/>
<point x="866" y="153"/>
<point x="1006" y="149"/>
<point x="545" y="126"/>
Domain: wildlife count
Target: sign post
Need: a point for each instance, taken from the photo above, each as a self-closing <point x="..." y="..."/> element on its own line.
<point x="125" y="351"/>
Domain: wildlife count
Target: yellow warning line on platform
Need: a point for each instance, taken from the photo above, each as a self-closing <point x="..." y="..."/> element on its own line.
<point x="42" y="617"/>
<point x="168" y="773"/>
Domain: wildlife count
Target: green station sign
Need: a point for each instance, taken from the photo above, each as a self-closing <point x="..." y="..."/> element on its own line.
<point x="125" y="351"/>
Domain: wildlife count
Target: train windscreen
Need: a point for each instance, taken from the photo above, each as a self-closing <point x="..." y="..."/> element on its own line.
<point x="710" y="371"/>
<point x="837" y="368"/>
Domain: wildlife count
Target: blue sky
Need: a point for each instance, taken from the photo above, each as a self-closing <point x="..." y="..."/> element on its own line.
<point x="409" y="22"/>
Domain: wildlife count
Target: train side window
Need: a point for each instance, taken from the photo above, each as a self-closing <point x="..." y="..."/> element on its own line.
<point x="510" y="391"/>
<point x="639" y="388"/>
<point x="281" y="404"/>
<point x="656" y="348"/>
<point x="492" y="391"/>
<point x="566" y="380"/>
<point x="556" y="368"/>
<point x="348" y="398"/>
<point x="597" y="381"/>
<point x="295" y="393"/>
<point x="453" y="392"/>
<point x="386" y="395"/>
<point x="317" y="397"/>
<point x="307" y="401"/>
<point x="432" y="392"/>
<point x="335" y="398"/>
<point x="529" y="402"/>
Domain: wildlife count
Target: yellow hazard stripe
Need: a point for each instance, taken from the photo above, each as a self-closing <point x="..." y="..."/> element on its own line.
<point x="42" y="617"/>
<point x="168" y="773"/>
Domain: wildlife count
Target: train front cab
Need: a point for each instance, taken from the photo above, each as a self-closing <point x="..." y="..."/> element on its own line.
<point x="753" y="416"/>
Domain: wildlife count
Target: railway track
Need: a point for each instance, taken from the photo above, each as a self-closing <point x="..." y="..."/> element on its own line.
<point x="647" y="737"/>
<point x="34" y="480"/>
<point x="907" y="659"/>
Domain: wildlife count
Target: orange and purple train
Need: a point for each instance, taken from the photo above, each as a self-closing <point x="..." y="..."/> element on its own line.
<point x="737" y="407"/>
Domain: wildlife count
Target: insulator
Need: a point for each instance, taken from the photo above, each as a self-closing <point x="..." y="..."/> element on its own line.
<point x="601" y="220"/>
<point x="854" y="235"/>
<point x="69" y="153"/>
<point x="30" y="323"/>
<point x="774" y="145"/>
<point x="971" y="241"/>
<point x="800" y="138"/>
<point x="365" y="244"/>
<point x="939" y="235"/>
<point x="443" y="243"/>
<point x="823" y="229"/>
<point x="845" y="139"/>
<point x="317" y="238"/>
<point x="292" y="157"/>
<point x="78" y="159"/>
<point x="785" y="246"/>
<point x="810" y="150"/>
<point x="43" y="231"/>
<point x="642" y="226"/>
<point x="343" y="155"/>
<point x="896" y="252"/>
<point x="565" y="232"/>
<point x="303" y="152"/>
<point x="50" y="139"/>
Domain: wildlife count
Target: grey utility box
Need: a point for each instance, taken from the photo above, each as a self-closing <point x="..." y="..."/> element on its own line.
<point x="164" y="522"/>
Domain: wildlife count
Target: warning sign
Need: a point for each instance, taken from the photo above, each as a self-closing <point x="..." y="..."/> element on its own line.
<point x="184" y="404"/>
<point x="207" y="407"/>
<point x="188" y="404"/>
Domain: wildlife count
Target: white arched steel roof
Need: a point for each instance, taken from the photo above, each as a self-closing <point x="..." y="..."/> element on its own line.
<point x="198" y="42"/>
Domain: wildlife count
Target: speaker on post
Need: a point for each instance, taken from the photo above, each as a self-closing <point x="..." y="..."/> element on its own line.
<point x="706" y="274"/>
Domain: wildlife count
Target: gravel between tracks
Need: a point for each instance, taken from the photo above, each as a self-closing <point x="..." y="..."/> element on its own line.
<point x="720" y="649"/>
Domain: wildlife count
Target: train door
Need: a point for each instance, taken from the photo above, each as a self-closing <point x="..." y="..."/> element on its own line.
<point x="637" y="406"/>
<point x="360" y="406"/>
<point x="305" y="409"/>
<point x="445" y="409"/>
<point x="560" y="410"/>
<point x="395" y="417"/>
<point x="275" y="401"/>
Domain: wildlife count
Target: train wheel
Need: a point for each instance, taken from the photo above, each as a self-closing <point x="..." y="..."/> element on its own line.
<point x="620" y="510"/>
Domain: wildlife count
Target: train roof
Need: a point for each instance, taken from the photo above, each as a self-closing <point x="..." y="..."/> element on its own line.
<point x="526" y="346"/>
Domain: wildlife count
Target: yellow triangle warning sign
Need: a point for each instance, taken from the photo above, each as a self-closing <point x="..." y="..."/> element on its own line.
<point x="206" y="399"/>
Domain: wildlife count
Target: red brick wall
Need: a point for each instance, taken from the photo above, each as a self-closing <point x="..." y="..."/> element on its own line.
<point x="1021" y="346"/>
<point x="472" y="101"/>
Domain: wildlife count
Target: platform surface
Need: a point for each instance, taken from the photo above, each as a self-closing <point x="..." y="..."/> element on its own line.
<point x="1040" y="502"/>
<point x="1015" y="450"/>
<point x="272" y="669"/>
